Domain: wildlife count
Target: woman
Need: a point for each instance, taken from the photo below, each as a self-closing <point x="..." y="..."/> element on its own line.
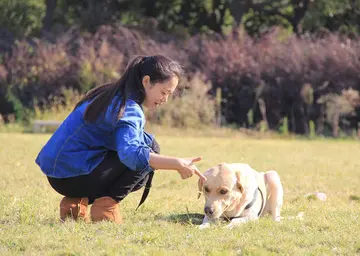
<point x="101" y="153"/>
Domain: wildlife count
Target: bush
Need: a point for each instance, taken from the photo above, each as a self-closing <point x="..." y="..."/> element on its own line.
<point x="98" y="65"/>
<point x="276" y="71"/>
<point x="35" y="72"/>
<point x="57" y="107"/>
<point x="191" y="106"/>
<point x="273" y="77"/>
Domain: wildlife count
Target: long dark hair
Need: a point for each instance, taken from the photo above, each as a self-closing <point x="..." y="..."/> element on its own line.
<point x="159" y="68"/>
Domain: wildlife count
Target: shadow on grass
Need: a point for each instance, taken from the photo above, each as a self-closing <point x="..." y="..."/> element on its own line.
<point x="184" y="218"/>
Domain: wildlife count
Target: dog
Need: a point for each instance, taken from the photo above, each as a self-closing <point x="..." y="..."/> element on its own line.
<point x="240" y="194"/>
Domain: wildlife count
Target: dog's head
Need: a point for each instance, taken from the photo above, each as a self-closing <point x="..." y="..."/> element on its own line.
<point x="221" y="190"/>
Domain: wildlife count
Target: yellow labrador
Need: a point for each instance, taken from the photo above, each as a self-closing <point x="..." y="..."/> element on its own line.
<point x="239" y="193"/>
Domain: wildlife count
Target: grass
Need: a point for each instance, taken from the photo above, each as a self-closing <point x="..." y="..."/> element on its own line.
<point x="167" y="223"/>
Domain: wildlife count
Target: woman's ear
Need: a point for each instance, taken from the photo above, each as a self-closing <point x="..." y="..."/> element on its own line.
<point x="146" y="81"/>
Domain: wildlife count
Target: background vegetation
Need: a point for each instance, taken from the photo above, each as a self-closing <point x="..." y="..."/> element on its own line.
<point x="282" y="65"/>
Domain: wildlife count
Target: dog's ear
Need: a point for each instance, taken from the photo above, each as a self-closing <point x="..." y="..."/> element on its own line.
<point x="200" y="187"/>
<point x="238" y="182"/>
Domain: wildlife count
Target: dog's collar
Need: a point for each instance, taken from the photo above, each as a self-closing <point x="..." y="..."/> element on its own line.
<point x="253" y="201"/>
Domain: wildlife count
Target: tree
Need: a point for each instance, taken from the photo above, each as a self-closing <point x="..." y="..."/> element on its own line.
<point x="335" y="15"/>
<point x="90" y="14"/>
<point x="260" y="15"/>
<point x="49" y="14"/>
<point x="21" y="17"/>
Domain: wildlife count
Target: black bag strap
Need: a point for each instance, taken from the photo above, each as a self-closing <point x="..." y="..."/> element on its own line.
<point x="146" y="190"/>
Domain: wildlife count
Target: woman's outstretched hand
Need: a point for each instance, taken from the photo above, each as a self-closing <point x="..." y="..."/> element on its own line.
<point x="187" y="167"/>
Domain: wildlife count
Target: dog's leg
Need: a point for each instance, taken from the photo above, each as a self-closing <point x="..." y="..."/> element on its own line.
<point x="206" y="223"/>
<point x="276" y="193"/>
<point x="238" y="221"/>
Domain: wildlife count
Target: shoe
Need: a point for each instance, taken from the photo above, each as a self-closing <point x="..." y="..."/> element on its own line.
<point x="105" y="208"/>
<point x="74" y="208"/>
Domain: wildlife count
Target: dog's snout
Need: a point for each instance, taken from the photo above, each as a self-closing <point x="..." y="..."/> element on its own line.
<point x="208" y="210"/>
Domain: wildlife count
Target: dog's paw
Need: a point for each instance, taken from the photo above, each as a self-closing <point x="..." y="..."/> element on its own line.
<point x="204" y="226"/>
<point x="231" y="226"/>
<point x="237" y="222"/>
<point x="300" y="216"/>
<point x="278" y="219"/>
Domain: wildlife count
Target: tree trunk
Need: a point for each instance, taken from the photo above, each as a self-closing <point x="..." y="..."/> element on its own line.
<point x="215" y="21"/>
<point x="49" y="14"/>
<point x="262" y="107"/>
<point x="336" y="120"/>
<point x="237" y="10"/>
<point x="300" y="9"/>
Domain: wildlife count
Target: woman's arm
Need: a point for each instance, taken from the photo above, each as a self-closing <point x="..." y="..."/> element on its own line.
<point x="139" y="157"/>
<point x="185" y="166"/>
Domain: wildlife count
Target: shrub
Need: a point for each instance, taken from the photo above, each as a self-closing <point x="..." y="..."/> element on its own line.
<point x="37" y="71"/>
<point x="191" y="106"/>
<point x="57" y="107"/>
<point x="274" y="78"/>
<point x="98" y="65"/>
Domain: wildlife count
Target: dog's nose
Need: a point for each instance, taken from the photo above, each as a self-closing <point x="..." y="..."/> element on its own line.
<point x="208" y="210"/>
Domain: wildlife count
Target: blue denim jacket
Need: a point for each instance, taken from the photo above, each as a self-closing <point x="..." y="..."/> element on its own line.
<point x="77" y="147"/>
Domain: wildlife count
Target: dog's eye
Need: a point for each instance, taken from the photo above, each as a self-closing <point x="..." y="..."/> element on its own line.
<point x="207" y="190"/>
<point x="223" y="191"/>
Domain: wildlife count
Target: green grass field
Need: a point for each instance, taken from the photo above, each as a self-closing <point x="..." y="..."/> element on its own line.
<point x="167" y="223"/>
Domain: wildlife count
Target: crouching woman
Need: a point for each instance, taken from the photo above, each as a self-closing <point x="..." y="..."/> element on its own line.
<point x="101" y="153"/>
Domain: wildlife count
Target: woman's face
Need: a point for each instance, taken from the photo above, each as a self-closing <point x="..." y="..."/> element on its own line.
<point x="158" y="93"/>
